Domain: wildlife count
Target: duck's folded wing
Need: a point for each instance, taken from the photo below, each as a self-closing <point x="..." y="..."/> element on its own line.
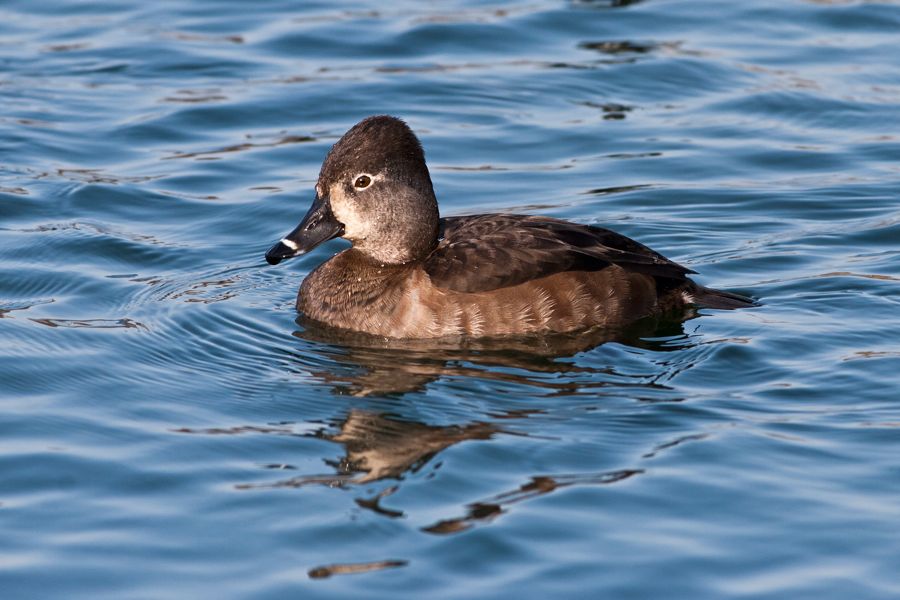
<point x="479" y="253"/>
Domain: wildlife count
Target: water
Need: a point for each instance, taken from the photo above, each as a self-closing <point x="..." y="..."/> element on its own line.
<point x="169" y="430"/>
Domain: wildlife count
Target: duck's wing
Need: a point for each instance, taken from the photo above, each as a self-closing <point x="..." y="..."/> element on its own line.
<point x="479" y="253"/>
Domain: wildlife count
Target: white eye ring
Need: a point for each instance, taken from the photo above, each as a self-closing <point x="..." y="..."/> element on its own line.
<point x="362" y="181"/>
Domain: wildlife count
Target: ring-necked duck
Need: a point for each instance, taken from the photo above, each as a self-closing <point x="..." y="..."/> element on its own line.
<point x="412" y="274"/>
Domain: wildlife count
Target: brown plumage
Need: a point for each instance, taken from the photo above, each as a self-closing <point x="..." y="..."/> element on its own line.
<point x="410" y="274"/>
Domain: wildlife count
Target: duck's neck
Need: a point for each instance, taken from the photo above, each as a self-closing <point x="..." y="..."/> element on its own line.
<point x="348" y="281"/>
<point x="392" y="253"/>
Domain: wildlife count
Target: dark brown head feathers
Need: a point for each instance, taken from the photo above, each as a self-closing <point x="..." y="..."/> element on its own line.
<point x="379" y="144"/>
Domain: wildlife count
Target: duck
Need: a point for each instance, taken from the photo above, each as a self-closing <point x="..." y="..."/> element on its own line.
<point x="411" y="274"/>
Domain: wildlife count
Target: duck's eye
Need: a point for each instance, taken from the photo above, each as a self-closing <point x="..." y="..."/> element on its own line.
<point x="362" y="182"/>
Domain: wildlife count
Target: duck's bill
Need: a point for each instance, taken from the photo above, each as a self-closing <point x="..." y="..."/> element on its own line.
<point x="317" y="227"/>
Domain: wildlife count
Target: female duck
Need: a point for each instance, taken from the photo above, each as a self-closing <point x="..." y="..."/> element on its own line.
<point x="411" y="274"/>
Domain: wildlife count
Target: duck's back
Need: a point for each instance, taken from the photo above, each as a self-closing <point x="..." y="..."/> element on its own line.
<point x="480" y="253"/>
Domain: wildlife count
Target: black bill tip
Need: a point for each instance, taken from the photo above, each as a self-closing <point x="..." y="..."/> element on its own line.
<point x="318" y="226"/>
<point x="279" y="252"/>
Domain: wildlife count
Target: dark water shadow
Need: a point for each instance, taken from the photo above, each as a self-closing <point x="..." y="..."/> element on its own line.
<point x="380" y="366"/>
<point x="601" y="4"/>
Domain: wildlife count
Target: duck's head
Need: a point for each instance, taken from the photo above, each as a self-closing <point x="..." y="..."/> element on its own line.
<point x="374" y="190"/>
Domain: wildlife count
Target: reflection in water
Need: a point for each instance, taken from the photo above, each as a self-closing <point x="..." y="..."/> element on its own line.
<point x="285" y="139"/>
<point x="378" y="366"/>
<point x="605" y="191"/>
<point x="538" y="486"/>
<point x="350" y="568"/>
<point x="380" y="446"/>
<point x="619" y="46"/>
<point x="125" y="323"/>
<point x="694" y="437"/>
<point x="605" y="3"/>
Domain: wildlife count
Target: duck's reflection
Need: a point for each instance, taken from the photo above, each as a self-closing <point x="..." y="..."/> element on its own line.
<point x="379" y="446"/>
<point x="387" y="447"/>
<point x="489" y="509"/>
<point x="379" y="366"/>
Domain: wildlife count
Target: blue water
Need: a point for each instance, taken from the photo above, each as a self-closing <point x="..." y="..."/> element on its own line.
<point x="170" y="431"/>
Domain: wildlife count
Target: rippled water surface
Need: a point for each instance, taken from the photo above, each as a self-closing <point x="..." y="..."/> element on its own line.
<point x="170" y="431"/>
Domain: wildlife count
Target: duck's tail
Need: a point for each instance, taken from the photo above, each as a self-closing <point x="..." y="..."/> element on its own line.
<point x="704" y="297"/>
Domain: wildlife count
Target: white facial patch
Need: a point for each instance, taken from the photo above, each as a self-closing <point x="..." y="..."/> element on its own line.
<point x="289" y="244"/>
<point x="346" y="211"/>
